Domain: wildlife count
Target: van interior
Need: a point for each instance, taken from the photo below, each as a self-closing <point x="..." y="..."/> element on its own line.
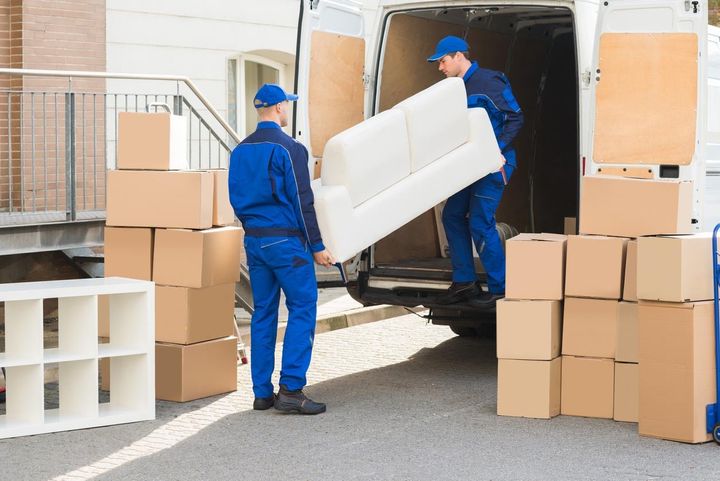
<point x="535" y="48"/>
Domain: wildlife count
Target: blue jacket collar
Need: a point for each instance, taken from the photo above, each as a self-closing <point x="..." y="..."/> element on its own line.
<point x="473" y="68"/>
<point x="267" y="124"/>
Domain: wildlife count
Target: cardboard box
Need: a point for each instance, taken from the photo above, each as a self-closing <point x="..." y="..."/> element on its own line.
<point x="626" y="344"/>
<point x="104" y="365"/>
<point x="634" y="207"/>
<point x="627" y="389"/>
<point x="152" y="141"/>
<point x="128" y="252"/>
<point x="677" y="370"/>
<point x="589" y="327"/>
<point x="675" y="268"/>
<point x="159" y="199"/>
<point x="187" y="316"/>
<point x="588" y="386"/>
<point x="535" y="265"/>
<point x="104" y="316"/>
<point x="630" y="282"/>
<point x="529" y="389"/>
<point x="595" y="267"/>
<point x="186" y="258"/>
<point x="570" y="226"/>
<point x="528" y="329"/>
<point x="184" y="373"/>
<point x="223" y="213"/>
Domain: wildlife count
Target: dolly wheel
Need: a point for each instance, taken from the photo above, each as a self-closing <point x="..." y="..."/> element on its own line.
<point x="716" y="433"/>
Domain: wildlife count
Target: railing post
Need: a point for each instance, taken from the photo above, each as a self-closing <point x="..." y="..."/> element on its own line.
<point x="70" y="187"/>
<point x="177" y="104"/>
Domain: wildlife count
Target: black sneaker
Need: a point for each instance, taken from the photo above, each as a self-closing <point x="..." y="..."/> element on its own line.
<point x="487" y="298"/>
<point x="297" y="402"/>
<point x="264" y="403"/>
<point x="459" y="292"/>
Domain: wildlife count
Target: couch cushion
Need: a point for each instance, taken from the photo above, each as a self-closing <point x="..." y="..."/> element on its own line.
<point x="437" y="121"/>
<point x="369" y="157"/>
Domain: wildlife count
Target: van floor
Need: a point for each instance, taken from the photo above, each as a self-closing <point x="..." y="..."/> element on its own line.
<point x="436" y="269"/>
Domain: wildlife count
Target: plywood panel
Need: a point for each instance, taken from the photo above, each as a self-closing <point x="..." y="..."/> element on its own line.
<point x="646" y="100"/>
<point x="633" y="172"/>
<point x="337" y="94"/>
<point x="416" y="240"/>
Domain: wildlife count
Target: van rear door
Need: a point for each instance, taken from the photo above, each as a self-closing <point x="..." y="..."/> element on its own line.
<point x="330" y="65"/>
<point x="649" y="91"/>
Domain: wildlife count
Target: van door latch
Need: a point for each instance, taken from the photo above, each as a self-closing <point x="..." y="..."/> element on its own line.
<point x="314" y="4"/>
<point x="586" y="78"/>
<point x="694" y="4"/>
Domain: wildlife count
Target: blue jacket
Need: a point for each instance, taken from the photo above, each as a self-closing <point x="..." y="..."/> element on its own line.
<point x="491" y="90"/>
<point x="269" y="184"/>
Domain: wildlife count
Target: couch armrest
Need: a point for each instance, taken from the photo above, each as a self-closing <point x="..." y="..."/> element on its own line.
<point x="334" y="210"/>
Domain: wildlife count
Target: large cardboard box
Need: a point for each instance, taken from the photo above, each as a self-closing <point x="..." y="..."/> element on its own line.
<point x="529" y="389"/>
<point x="630" y="282"/>
<point x="626" y="392"/>
<point x="675" y="268"/>
<point x="635" y="207"/>
<point x="528" y="329"/>
<point x="152" y="141"/>
<point x="589" y="327"/>
<point x="223" y="213"/>
<point x="626" y="344"/>
<point x="588" y="386"/>
<point x="535" y="265"/>
<point x="677" y="370"/>
<point x="103" y="316"/>
<point x="159" y="199"/>
<point x="186" y="258"/>
<point x="187" y="316"/>
<point x="184" y="373"/>
<point x="595" y="266"/>
<point x="128" y="252"/>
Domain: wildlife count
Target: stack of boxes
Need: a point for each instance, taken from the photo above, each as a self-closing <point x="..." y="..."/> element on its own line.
<point x="174" y="226"/>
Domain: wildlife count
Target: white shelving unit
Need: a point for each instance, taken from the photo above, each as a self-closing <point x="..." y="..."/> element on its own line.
<point x="131" y="351"/>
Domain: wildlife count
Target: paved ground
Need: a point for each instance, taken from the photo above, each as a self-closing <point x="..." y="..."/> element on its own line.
<point x="407" y="401"/>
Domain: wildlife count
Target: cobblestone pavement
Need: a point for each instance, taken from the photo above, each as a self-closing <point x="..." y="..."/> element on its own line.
<point x="407" y="401"/>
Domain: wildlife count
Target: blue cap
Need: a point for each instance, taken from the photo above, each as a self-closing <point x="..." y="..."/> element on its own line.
<point x="449" y="44"/>
<point x="271" y="94"/>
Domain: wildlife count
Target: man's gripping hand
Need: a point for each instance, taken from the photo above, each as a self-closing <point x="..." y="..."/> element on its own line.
<point x="324" y="258"/>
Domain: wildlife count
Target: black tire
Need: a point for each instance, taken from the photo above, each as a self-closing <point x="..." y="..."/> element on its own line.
<point x="716" y="433"/>
<point x="463" y="331"/>
<point x="353" y="288"/>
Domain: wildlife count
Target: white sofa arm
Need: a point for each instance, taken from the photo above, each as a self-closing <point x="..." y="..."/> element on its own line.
<point x="334" y="210"/>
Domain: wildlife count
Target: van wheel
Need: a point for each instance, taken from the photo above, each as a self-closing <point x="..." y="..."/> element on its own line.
<point x="463" y="331"/>
<point x="353" y="289"/>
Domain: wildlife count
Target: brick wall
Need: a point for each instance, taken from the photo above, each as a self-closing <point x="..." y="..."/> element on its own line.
<point x="714" y="12"/>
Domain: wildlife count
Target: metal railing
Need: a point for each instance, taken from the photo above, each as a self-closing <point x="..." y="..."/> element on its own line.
<point x="55" y="146"/>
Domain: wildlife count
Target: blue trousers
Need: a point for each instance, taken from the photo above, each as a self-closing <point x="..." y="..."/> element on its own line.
<point x="281" y="263"/>
<point x="469" y="216"/>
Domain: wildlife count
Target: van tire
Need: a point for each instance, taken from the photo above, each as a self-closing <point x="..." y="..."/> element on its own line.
<point x="463" y="331"/>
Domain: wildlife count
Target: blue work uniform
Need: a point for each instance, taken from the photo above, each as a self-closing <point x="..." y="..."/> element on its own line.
<point x="469" y="215"/>
<point x="270" y="192"/>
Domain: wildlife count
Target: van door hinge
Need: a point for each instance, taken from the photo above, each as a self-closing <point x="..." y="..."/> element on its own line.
<point x="314" y="4"/>
<point x="586" y="76"/>
<point x="367" y="80"/>
<point x="691" y="4"/>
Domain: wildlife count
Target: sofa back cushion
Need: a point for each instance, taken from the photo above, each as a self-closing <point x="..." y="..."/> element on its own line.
<point x="369" y="157"/>
<point x="437" y="121"/>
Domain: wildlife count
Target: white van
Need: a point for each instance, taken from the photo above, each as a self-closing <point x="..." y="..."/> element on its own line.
<point x="576" y="68"/>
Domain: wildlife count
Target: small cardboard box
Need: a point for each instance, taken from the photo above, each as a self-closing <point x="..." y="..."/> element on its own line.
<point x="626" y="344"/>
<point x="184" y="373"/>
<point x="528" y="329"/>
<point x="535" y="266"/>
<point x="187" y="316"/>
<point x="624" y="207"/>
<point x="677" y="370"/>
<point x="181" y="200"/>
<point x="152" y="141"/>
<point x="223" y="213"/>
<point x="128" y="252"/>
<point x="529" y="389"/>
<point x="675" y="268"/>
<point x="626" y="392"/>
<point x="630" y="283"/>
<point x="588" y="386"/>
<point x="595" y="267"/>
<point x="589" y="327"/>
<point x="187" y="258"/>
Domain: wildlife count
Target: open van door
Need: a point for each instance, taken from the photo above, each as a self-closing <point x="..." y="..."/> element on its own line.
<point x="649" y="91"/>
<point x="330" y="65"/>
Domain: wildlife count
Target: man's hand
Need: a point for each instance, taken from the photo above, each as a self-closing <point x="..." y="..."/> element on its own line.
<point x="324" y="258"/>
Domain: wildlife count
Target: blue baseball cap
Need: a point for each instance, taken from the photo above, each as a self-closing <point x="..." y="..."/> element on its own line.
<point x="447" y="45"/>
<point x="271" y="94"/>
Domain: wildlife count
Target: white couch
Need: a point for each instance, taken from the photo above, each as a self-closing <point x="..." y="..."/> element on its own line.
<point x="380" y="174"/>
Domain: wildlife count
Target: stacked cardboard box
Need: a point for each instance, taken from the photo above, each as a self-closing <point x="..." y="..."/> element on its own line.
<point x="593" y="288"/>
<point x="173" y="226"/>
<point x="529" y="324"/>
<point x="676" y="336"/>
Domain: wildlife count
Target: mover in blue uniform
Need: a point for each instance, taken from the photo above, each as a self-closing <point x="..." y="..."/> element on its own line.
<point x="469" y="215"/>
<point x="270" y="192"/>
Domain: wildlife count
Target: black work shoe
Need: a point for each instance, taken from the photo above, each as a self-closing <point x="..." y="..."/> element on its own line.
<point x="264" y="403"/>
<point x="459" y="292"/>
<point x="487" y="298"/>
<point x="297" y="402"/>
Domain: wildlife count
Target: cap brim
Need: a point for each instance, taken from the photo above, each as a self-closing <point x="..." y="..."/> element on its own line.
<point x="435" y="57"/>
<point x="292" y="97"/>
